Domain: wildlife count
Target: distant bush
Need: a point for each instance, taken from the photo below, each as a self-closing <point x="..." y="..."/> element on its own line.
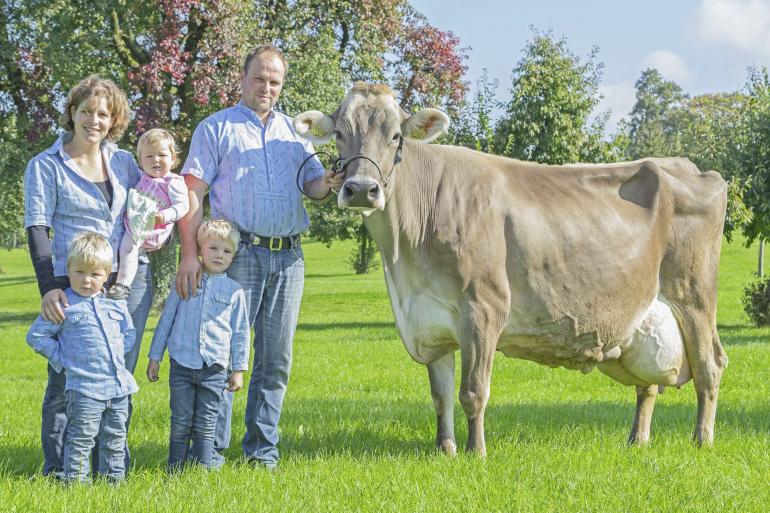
<point x="756" y="301"/>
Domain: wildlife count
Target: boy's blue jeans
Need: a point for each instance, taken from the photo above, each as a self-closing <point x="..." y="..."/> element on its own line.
<point x="54" y="415"/>
<point x="88" y="419"/>
<point x="196" y="395"/>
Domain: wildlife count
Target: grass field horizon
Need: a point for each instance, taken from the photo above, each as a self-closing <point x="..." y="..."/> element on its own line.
<point x="358" y="423"/>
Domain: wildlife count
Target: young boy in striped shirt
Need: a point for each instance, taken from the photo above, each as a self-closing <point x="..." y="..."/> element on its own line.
<point x="206" y="336"/>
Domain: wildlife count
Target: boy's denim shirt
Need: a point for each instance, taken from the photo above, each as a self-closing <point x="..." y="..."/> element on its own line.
<point x="209" y="328"/>
<point x="90" y="345"/>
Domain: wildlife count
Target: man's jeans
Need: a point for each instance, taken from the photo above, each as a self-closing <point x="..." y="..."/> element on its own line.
<point x="88" y="419"/>
<point x="54" y="421"/>
<point x="196" y="396"/>
<point x="272" y="282"/>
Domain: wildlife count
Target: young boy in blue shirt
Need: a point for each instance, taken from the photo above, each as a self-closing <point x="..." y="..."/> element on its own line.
<point x="90" y="346"/>
<point x="206" y="335"/>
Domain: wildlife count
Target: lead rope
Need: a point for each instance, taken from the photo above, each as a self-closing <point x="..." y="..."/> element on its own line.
<point x="339" y="164"/>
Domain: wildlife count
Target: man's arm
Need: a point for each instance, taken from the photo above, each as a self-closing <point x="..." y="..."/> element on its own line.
<point x="320" y="188"/>
<point x="190" y="272"/>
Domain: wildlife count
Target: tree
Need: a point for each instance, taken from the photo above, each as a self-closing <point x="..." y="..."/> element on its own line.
<point x="553" y="94"/>
<point x="472" y="124"/>
<point x="653" y="127"/>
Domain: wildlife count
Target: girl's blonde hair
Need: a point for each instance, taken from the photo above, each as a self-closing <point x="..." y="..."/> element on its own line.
<point x="220" y="229"/>
<point x="91" y="249"/>
<point x="157" y="136"/>
<point x="91" y="89"/>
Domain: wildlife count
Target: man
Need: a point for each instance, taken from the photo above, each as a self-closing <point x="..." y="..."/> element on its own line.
<point x="247" y="156"/>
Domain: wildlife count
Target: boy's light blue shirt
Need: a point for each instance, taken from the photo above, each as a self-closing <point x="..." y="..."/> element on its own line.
<point x="57" y="196"/>
<point x="90" y="345"/>
<point x="252" y="170"/>
<point x="211" y="327"/>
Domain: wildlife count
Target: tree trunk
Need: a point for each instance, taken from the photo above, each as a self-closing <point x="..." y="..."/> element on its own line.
<point x="362" y="259"/>
<point x="164" y="263"/>
<point x="761" y="259"/>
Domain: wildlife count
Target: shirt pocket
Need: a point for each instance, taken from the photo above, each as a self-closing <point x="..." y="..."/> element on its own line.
<point x="220" y="311"/>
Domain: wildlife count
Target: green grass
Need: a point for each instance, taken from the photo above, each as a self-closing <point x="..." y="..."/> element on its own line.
<point x="358" y="423"/>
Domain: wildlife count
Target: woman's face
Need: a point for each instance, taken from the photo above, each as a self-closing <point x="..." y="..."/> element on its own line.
<point x="92" y="120"/>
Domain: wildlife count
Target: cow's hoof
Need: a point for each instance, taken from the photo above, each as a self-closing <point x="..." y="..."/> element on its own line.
<point x="448" y="447"/>
<point x="638" y="440"/>
<point x="702" y="439"/>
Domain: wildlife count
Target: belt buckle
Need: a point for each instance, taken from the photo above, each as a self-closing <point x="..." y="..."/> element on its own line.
<point x="273" y="247"/>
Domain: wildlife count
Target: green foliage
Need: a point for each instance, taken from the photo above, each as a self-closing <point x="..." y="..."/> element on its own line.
<point x="553" y="94"/>
<point x="753" y="153"/>
<point x="472" y="124"/>
<point x="654" y="124"/>
<point x="756" y="301"/>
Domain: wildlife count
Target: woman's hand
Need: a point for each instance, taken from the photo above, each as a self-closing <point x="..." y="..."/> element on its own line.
<point x="52" y="306"/>
<point x="160" y="218"/>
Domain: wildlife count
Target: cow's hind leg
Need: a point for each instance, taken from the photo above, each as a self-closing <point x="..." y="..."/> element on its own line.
<point x="645" y="403"/>
<point x="442" y="388"/>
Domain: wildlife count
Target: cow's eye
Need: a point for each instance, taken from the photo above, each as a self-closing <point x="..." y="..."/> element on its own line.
<point x="396" y="139"/>
<point x="338" y="135"/>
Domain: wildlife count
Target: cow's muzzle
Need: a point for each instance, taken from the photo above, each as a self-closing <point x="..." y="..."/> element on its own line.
<point x="363" y="193"/>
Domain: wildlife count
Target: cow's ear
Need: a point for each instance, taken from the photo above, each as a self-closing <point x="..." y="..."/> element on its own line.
<point x="314" y="126"/>
<point x="425" y="125"/>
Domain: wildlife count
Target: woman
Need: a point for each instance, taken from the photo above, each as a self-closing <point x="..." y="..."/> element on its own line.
<point x="80" y="184"/>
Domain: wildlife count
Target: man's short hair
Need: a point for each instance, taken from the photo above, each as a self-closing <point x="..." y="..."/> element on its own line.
<point x="156" y="136"/>
<point x="220" y="229"/>
<point x="91" y="89"/>
<point x="264" y="49"/>
<point x="91" y="249"/>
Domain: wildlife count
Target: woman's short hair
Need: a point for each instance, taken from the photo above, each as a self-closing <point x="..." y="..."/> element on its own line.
<point x="91" y="249"/>
<point x="220" y="229"/>
<point x="156" y="136"/>
<point x="265" y="49"/>
<point x="90" y="89"/>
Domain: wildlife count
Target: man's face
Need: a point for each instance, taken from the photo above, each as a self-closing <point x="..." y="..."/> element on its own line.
<point x="262" y="83"/>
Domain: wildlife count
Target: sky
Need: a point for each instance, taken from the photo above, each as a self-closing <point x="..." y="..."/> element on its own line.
<point x="705" y="46"/>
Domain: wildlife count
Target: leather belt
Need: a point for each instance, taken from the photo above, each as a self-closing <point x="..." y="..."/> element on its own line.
<point x="271" y="243"/>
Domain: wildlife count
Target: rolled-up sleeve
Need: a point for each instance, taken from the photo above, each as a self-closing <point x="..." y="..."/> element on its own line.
<point x="39" y="194"/>
<point x="203" y="159"/>
<point x="313" y="168"/>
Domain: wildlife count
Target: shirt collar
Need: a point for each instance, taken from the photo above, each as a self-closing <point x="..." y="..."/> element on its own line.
<point x="249" y="112"/>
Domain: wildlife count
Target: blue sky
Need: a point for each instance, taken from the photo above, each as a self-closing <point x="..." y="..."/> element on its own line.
<point x="705" y="46"/>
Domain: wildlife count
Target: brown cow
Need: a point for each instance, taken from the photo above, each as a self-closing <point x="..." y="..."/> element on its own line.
<point x="578" y="266"/>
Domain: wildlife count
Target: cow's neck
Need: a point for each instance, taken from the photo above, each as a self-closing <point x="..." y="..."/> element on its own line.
<point x="408" y="218"/>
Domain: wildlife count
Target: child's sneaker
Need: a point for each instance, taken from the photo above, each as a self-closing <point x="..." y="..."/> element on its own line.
<point x="119" y="291"/>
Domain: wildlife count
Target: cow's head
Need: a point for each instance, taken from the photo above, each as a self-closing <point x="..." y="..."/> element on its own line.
<point x="369" y="129"/>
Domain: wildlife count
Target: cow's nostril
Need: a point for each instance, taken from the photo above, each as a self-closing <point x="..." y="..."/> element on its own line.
<point x="374" y="189"/>
<point x="347" y="191"/>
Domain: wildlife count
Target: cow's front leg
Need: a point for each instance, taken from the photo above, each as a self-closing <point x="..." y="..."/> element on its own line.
<point x="442" y="388"/>
<point x="477" y="353"/>
<point x="645" y="403"/>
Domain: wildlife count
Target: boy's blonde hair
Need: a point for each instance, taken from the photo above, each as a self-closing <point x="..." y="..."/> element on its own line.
<point x="220" y="229"/>
<point x="91" y="249"/>
<point x="92" y="88"/>
<point x="157" y="136"/>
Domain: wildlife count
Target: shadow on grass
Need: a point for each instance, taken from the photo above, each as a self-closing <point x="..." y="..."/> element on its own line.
<point x="318" y="428"/>
<point x="329" y="275"/>
<point x="21" y="317"/>
<point x="16" y="280"/>
<point x="344" y="325"/>
<point x="408" y="428"/>
<point x="736" y="335"/>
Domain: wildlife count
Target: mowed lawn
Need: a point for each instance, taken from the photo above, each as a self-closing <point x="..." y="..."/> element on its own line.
<point x="358" y="423"/>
